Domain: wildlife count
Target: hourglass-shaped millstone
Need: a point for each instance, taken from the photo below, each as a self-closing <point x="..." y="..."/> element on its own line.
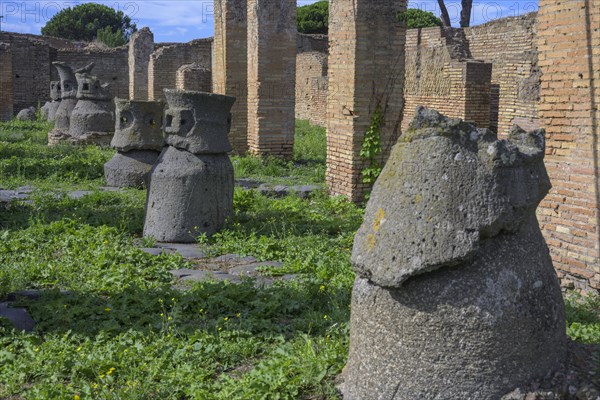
<point x="198" y="122"/>
<point x="93" y="118"/>
<point x="190" y="189"/>
<point x="51" y="107"/>
<point x="68" y="95"/>
<point x="138" y="139"/>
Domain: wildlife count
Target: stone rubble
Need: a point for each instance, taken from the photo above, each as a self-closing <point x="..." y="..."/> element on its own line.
<point x="27" y="114"/>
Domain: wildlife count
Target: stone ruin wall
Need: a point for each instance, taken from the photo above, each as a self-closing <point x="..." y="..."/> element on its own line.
<point x="569" y="56"/>
<point x="194" y="77"/>
<point x="509" y="44"/>
<point x="30" y="69"/>
<point x="166" y="60"/>
<point x="441" y="75"/>
<point x="311" y="87"/>
<point x="6" y="82"/>
<point x="111" y="66"/>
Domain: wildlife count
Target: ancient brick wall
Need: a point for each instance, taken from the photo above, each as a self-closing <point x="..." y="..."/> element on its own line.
<point x="111" y="66"/>
<point x="164" y="63"/>
<point x="141" y="46"/>
<point x="194" y="77"/>
<point x="6" y="82"/>
<point x="272" y="47"/>
<point x="361" y="31"/>
<point x="311" y="87"/>
<point x="569" y="57"/>
<point x="54" y="42"/>
<point x="438" y="76"/>
<point x="312" y="42"/>
<point x="510" y="45"/>
<point x="31" y="70"/>
<point x="230" y="71"/>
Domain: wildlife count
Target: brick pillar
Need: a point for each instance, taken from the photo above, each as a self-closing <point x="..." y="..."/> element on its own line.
<point x="230" y="66"/>
<point x="6" y="82"/>
<point x="569" y="57"/>
<point x="366" y="71"/>
<point x="194" y="77"/>
<point x="271" y="76"/>
<point x="141" y="46"/>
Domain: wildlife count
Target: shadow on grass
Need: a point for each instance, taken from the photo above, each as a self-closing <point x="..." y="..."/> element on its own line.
<point x="123" y="211"/>
<point x="289" y="310"/>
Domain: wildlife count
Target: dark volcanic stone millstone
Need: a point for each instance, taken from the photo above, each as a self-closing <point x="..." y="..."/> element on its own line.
<point x="455" y="296"/>
<point x="131" y="169"/>
<point x="188" y="194"/>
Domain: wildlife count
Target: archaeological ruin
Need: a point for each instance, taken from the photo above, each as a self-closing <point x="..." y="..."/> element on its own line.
<point x="51" y="107"/>
<point x="454" y="279"/>
<point x="538" y="70"/>
<point x="190" y="187"/>
<point x="138" y="139"/>
<point x="93" y="118"/>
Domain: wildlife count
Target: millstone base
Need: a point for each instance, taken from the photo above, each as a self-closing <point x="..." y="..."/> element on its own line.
<point x="188" y="195"/>
<point x="58" y="137"/>
<point x="131" y="169"/>
<point x="470" y="332"/>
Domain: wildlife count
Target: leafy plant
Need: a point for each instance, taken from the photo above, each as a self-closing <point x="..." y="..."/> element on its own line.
<point x="313" y="18"/>
<point x="110" y="38"/>
<point x="416" y="18"/>
<point x="371" y="148"/>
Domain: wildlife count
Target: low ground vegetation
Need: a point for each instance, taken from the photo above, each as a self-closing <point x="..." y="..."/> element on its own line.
<point x="111" y="326"/>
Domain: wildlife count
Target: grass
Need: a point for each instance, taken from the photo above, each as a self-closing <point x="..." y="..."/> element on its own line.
<point x="111" y="326"/>
<point x="306" y="167"/>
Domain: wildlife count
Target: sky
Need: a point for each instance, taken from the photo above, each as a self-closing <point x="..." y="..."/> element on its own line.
<point x="185" y="20"/>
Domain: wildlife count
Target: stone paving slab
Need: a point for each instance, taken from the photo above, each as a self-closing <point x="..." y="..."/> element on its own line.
<point x="19" y="317"/>
<point x="253" y="269"/>
<point x="22" y="193"/>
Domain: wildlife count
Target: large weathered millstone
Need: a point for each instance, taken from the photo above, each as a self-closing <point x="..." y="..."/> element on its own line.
<point x="138" y="139"/>
<point x="50" y="108"/>
<point x="131" y="169"/>
<point x="62" y="121"/>
<point x="455" y="295"/>
<point x="190" y="190"/>
<point x="138" y="125"/>
<point x="197" y="121"/>
<point x="93" y="118"/>
<point x="188" y="194"/>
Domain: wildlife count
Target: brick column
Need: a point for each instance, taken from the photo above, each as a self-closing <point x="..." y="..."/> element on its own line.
<point x="569" y="57"/>
<point x="230" y="66"/>
<point x="141" y="46"/>
<point x="271" y="76"/>
<point x="6" y="82"/>
<point x="366" y="71"/>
